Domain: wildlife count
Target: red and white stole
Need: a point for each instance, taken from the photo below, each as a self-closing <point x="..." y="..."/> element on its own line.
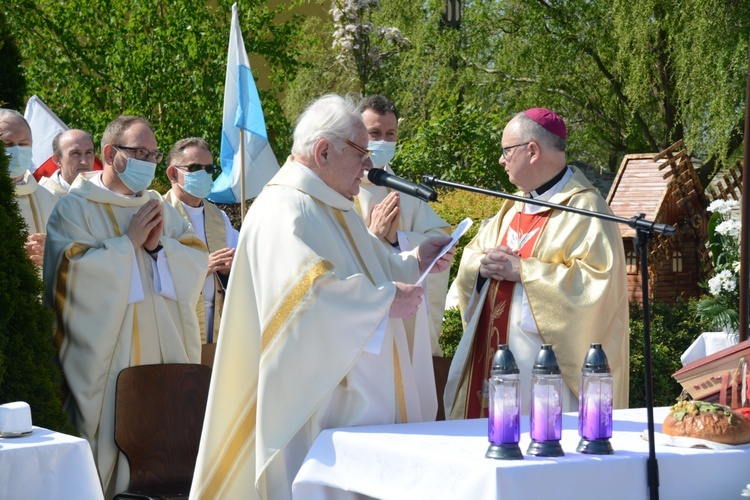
<point x="494" y="320"/>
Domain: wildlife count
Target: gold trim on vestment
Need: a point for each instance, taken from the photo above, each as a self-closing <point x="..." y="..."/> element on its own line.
<point x="340" y="218"/>
<point x="292" y="300"/>
<point x="35" y="215"/>
<point x="136" y="336"/>
<point x="239" y="438"/>
<point x="194" y="242"/>
<point x="112" y="218"/>
<point x="60" y="291"/>
<point x="399" y="382"/>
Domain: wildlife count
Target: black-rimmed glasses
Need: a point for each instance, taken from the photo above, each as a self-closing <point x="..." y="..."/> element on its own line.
<point x="507" y="149"/>
<point x="142" y="154"/>
<point x="197" y="167"/>
<point x="366" y="153"/>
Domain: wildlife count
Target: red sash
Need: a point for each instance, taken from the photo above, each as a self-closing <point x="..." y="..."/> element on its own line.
<point x="492" y="328"/>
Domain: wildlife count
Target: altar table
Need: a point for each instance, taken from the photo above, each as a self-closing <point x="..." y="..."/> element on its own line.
<point x="47" y="465"/>
<point x="445" y="460"/>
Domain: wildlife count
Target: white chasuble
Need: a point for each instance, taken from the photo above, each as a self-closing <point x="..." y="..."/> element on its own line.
<point x="101" y="328"/>
<point x="308" y="290"/>
<point x="417" y="221"/>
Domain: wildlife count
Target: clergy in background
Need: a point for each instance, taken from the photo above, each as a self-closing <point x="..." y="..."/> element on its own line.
<point x="73" y="153"/>
<point x="190" y="166"/>
<point x="123" y="272"/>
<point x="534" y="275"/>
<point x="312" y="335"/>
<point x="35" y="203"/>
<point x="401" y="222"/>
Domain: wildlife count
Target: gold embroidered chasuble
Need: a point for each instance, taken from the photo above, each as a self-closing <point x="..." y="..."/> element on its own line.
<point x="308" y="291"/>
<point x="216" y="239"/>
<point x="102" y="325"/>
<point x="576" y="285"/>
<point x="417" y="221"/>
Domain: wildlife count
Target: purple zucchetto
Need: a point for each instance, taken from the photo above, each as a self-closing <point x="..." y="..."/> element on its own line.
<point x="549" y="120"/>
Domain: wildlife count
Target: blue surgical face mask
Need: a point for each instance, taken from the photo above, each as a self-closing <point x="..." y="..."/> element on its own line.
<point x="198" y="183"/>
<point x="20" y="160"/>
<point x="382" y="152"/>
<point x="138" y="174"/>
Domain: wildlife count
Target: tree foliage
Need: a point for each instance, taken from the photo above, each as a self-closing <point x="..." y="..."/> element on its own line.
<point x="628" y="77"/>
<point x="92" y="60"/>
<point x="12" y="82"/>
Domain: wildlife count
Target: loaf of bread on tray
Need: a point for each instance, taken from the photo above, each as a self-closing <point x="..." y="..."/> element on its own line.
<point x="711" y="421"/>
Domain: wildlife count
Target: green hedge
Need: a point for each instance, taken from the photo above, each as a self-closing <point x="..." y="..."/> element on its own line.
<point x="28" y="366"/>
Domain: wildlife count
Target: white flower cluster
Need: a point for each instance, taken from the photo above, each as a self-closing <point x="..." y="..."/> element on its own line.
<point x="723" y="280"/>
<point x="729" y="227"/>
<point x="352" y="32"/>
<point x="724" y="207"/>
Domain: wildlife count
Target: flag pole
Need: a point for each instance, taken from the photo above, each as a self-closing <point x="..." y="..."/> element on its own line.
<point x="242" y="175"/>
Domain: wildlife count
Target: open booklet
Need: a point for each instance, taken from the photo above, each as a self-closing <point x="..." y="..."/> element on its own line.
<point x="460" y="230"/>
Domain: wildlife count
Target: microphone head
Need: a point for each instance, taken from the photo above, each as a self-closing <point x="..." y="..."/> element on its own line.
<point x="376" y="176"/>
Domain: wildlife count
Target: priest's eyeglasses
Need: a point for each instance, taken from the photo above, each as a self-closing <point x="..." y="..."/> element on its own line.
<point x="507" y="149"/>
<point x="197" y="167"/>
<point x="366" y="153"/>
<point x="142" y="154"/>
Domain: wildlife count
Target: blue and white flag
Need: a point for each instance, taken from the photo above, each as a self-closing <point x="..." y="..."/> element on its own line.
<point x="242" y="110"/>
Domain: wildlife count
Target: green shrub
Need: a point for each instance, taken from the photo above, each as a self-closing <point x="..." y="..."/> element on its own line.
<point x="28" y="368"/>
<point x="673" y="328"/>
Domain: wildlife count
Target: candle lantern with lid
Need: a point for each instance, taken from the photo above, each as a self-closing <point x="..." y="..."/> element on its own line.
<point x="595" y="404"/>
<point x="504" y="427"/>
<point x="546" y="405"/>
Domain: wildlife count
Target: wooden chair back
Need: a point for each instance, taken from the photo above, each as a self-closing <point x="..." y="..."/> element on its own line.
<point x="159" y="412"/>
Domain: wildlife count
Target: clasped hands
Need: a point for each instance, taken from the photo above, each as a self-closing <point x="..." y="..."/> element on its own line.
<point x="146" y="226"/>
<point x="500" y="263"/>
<point x="408" y="297"/>
<point x="384" y="218"/>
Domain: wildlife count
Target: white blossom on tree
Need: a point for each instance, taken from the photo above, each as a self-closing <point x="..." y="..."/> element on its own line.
<point x="359" y="42"/>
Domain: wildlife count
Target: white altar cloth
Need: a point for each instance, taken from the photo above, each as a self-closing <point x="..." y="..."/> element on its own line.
<point x="445" y="460"/>
<point x="46" y="465"/>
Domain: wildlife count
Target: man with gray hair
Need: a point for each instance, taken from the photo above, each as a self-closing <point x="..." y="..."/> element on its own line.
<point x="534" y="275"/>
<point x="123" y="272"/>
<point x="312" y="335"/>
<point x="190" y="166"/>
<point x="35" y="204"/>
<point x="73" y="152"/>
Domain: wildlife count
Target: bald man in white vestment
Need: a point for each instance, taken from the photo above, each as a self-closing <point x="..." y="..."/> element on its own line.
<point x="312" y="335"/>
<point x="123" y="272"/>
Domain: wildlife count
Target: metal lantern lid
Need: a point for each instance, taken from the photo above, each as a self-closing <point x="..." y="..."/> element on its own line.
<point x="596" y="360"/>
<point x="546" y="362"/>
<point x="503" y="362"/>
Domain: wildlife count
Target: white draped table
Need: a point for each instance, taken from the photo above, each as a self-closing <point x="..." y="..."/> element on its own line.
<point x="445" y="460"/>
<point x="47" y="465"/>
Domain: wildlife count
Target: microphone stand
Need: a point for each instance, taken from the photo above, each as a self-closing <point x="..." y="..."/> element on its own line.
<point x="644" y="231"/>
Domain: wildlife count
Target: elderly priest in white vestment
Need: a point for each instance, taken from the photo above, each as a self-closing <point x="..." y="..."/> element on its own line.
<point x="312" y="335"/>
<point x="123" y="271"/>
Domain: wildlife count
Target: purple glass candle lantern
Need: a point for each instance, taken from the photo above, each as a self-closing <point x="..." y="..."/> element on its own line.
<point x="504" y="425"/>
<point x="546" y="405"/>
<point x="595" y="404"/>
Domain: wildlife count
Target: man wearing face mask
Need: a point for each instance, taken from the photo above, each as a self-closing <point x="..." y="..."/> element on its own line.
<point x="189" y="169"/>
<point x="123" y="273"/>
<point x="36" y="204"/>
<point x="73" y="152"/>
<point x="400" y="221"/>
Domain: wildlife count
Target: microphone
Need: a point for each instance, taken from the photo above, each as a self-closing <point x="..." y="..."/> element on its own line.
<point x="380" y="177"/>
